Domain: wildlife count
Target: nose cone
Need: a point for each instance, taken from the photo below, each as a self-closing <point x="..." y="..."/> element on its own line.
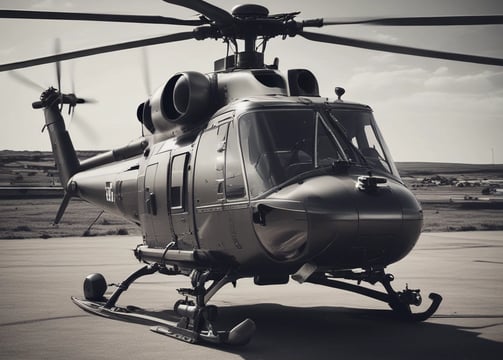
<point x="336" y="224"/>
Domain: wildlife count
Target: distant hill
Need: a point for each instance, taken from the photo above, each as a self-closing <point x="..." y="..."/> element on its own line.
<point x="8" y="155"/>
<point x="31" y="168"/>
<point x="36" y="168"/>
<point x="432" y="168"/>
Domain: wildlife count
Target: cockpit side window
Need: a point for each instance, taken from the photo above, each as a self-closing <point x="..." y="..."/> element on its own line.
<point x="361" y="130"/>
<point x="328" y="148"/>
<point x="373" y="150"/>
<point x="276" y="145"/>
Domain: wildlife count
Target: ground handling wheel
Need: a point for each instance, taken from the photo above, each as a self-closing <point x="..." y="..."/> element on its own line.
<point x="95" y="286"/>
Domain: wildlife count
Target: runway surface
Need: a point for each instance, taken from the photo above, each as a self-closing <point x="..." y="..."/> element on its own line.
<point x="39" y="321"/>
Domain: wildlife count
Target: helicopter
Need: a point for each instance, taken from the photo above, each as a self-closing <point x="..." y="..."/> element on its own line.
<point x="246" y="172"/>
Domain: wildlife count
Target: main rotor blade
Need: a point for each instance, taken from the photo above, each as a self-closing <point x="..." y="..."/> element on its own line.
<point x="212" y="12"/>
<point x="98" y="50"/>
<point x="145" y="71"/>
<point x="140" y="19"/>
<point x="398" y="49"/>
<point x="420" y="21"/>
<point x="28" y="82"/>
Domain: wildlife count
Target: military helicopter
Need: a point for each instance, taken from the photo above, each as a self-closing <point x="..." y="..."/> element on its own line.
<point x="246" y="172"/>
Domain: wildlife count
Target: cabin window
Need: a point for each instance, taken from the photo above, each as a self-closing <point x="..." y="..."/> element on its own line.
<point x="209" y="167"/>
<point x="149" y="190"/>
<point x="178" y="181"/>
<point x="234" y="181"/>
<point x="220" y="159"/>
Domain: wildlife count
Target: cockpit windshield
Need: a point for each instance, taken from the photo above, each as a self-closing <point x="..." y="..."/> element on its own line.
<point x="280" y="144"/>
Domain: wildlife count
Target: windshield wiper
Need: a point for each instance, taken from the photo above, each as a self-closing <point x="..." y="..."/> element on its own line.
<point x="336" y="167"/>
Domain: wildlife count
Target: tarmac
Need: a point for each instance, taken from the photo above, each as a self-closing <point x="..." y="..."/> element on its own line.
<point x="295" y="321"/>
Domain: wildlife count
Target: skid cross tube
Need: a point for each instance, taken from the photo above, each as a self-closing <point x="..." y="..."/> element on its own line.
<point x="123" y="286"/>
<point x="378" y="295"/>
<point x="398" y="301"/>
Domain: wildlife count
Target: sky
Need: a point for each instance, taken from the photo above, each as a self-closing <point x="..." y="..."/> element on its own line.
<point x="427" y="109"/>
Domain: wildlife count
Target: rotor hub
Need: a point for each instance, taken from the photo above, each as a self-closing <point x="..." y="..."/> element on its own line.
<point x="250" y="11"/>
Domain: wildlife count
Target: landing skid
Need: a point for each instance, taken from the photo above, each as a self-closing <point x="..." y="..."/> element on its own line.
<point x="132" y="314"/>
<point x="194" y="320"/>
<point x="238" y="335"/>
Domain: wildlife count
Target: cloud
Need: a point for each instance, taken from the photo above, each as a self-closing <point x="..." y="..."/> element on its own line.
<point x="7" y="51"/>
<point x="384" y="38"/>
<point x="383" y="84"/>
<point x="434" y="115"/>
<point x="392" y="81"/>
<point x="485" y="81"/>
<point x="51" y="4"/>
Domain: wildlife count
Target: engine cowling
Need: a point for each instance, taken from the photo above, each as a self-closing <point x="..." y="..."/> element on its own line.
<point x="302" y="82"/>
<point x="183" y="100"/>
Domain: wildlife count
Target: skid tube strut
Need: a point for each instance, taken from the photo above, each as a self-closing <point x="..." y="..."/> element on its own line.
<point x="399" y="302"/>
<point x="196" y="318"/>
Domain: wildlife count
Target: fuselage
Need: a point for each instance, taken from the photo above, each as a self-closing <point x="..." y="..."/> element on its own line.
<point x="269" y="184"/>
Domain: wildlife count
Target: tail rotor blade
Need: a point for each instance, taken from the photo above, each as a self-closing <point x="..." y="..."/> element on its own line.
<point x="57" y="50"/>
<point x="86" y="130"/>
<point x="72" y="76"/>
<point x="87" y="100"/>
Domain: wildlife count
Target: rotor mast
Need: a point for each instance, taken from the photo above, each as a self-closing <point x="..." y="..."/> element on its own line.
<point x="247" y="23"/>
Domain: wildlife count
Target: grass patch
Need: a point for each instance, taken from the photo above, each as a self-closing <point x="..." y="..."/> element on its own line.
<point x="462" y="228"/>
<point x="492" y="226"/>
<point x="22" y="228"/>
<point x="88" y="233"/>
<point x="122" y="231"/>
<point x="13" y="237"/>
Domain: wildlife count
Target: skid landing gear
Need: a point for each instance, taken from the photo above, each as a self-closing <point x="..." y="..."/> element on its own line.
<point x="399" y="301"/>
<point x="196" y="318"/>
